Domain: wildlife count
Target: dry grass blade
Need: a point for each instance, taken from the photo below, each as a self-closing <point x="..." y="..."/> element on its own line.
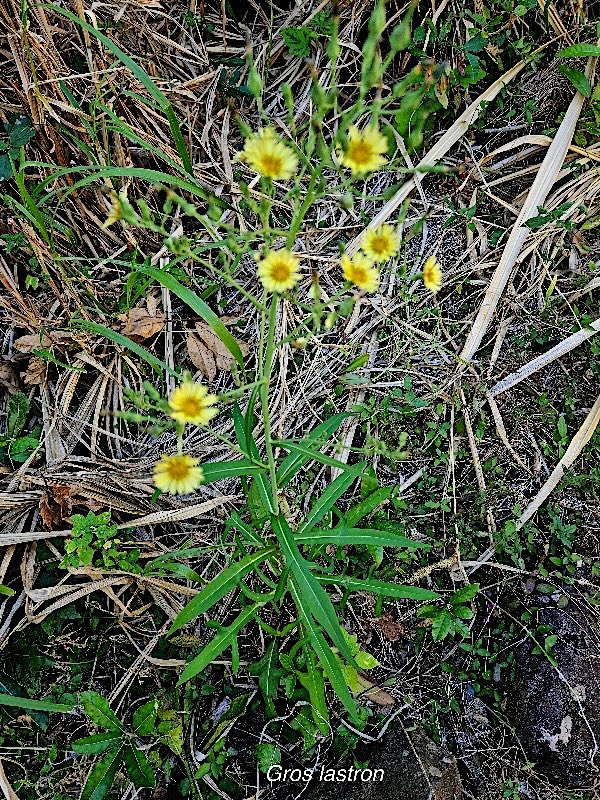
<point x="179" y="514"/>
<point x="536" y="197"/>
<point x="7" y="789"/>
<point x="546" y="358"/>
<point x="7" y="539"/>
<point x="579" y="441"/>
<point x="439" y="150"/>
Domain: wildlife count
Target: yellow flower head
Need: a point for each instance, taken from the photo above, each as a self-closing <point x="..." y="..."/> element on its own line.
<point x="278" y="270"/>
<point x="265" y="153"/>
<point x="380" y="243"/>
<point x="191" y="402"/>
<point x="364" y="150"/>
<point x="361" y="272"/>
<point x="178" y="474"/>
<point x="432" y="274"/>
<point x="117" y="209"/>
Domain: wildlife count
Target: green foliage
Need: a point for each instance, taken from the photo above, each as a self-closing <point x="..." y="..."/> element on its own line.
<point x="298" y="40"/>
<point x="93" y="541"/>
<point x="447" y="619"/>
<point x="19" y="132"/>
<point x="17" y="445"/>
<point x="118" y="744"/>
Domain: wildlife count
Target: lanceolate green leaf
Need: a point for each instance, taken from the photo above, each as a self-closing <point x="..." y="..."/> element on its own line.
<point x="217" y="470"/>
<point x="327" y="500"/>
<point x="123" y="341"/>
<point x="102" y="775"/>
<point x="34" y="705"/>
<point x="315" y="600"/>
<point x="98" y="710"/>
<point x="198" y="305"/>
<point x="326" y="656"/>
<point x="98" y="743"/>
<point x="218" y="588"/>
<point x="311" y="454"/>
<point x="353" y="536"/>
<point x="293" y="462"/>
<point x="144" y="718"/>
<point x="579" y="51"/>
<point x="139" y="769"/>
<point x="380" y="587"/>
<point x="221" y="641"/>
<point x="366" y="506"/>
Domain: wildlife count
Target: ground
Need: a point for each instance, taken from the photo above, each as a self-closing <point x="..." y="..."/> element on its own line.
<point x="462" y="422"/>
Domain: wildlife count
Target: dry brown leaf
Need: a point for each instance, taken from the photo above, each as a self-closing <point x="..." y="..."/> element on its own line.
<point x="9" y="378"/>
<point x="35" y="374"/>
<point x="139" y="324"/>
<point x="208" y="353"/>
<point x="56" y="506"/>
<point x="31" y="341"/>
<point x="201" y="357"/>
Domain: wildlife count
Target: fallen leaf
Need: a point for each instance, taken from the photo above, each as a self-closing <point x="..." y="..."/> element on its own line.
<point x="31" y="341"/>
<point x="35" y="373"/>
<point x="9" y="378"/>
<point x="201" y="357"/>
<point x="139" y="324"/>
<point x="388" y="628"/>
<point x="56" y="506"/>
<point x="223" y="358"/>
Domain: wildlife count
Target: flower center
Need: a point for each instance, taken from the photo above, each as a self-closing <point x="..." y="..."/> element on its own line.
<point x="178" y="469"/>
<point x="359" y="275"/>
<point x="280" y="271"/>
<point x="190" y="407"/>
<point x="271" y="164"/>
<point x="360" y="152"/>
<point x="379" y="244"/>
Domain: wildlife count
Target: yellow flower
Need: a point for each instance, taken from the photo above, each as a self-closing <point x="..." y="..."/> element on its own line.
<point x="364" y="150"/>
<point x="115" y="213"/>
<point x="191" y="402"/>
<point x="361" y="272"/>
<point x="278" y="270"/>
<point x="380" y="243"/>
<point x="268" y="155"/>
<point x="432" y="274"/>
<point x="178" y="474"/>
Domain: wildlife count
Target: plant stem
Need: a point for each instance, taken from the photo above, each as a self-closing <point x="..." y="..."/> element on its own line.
<point x="264" y="396"/>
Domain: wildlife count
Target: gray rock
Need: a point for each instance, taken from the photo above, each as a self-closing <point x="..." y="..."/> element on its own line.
<point x="558" y="710"/>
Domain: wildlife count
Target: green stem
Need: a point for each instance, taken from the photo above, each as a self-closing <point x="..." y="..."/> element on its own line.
<point x="264" y="396"/>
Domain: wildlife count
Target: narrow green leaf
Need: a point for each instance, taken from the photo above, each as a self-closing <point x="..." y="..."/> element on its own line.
<point x="315" y="600"/>
<point x="98" y="743"/>
<point x="293" y="462"/>
<point x="327" y="500"/>
<point x="218" y="470"/>
<point x="311" y="454"/>
<point x="98" y="710"/>
<point x="354" y="536"/>
<point x="366" y="506"/>
<point x="198" y="305"/>
<point x="123" y="341"/>
<point x="144" y="718"/>
<point x="326" y="656"/>
<point x="218" y="588"/>
<point x="216" y="646"/>
<point x="380" y="587"/>
<point x="139" y="769"/>
<point x="578" y="79"/>
<point x="102" y="775"/>
<point x="580" y="51"/>
<point x="34" y="705"/>
<point x="6" y="590"/>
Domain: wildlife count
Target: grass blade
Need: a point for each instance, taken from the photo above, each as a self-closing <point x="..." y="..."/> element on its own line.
<point x="34" y="705"/>
<point x="353" y="536"/>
